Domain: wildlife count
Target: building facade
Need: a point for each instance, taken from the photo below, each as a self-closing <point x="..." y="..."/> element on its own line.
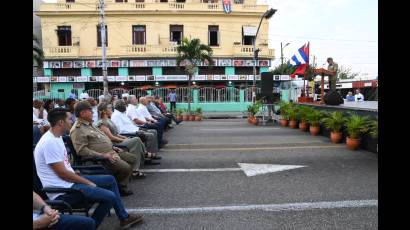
<point x="142" y="36"/>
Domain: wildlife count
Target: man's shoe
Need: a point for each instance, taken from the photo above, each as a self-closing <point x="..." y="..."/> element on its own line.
<point x="132" y="219"/>
<point x="178" y="122"/>
<point x="125" y="192"/>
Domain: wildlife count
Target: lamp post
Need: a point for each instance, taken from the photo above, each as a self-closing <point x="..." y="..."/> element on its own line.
<point x="281" y="52"/>
<point x="268" y="14"/>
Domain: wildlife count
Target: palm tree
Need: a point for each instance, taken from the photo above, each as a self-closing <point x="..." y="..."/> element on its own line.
<point x="37" y="51"/>
<point x="192" y="53"/>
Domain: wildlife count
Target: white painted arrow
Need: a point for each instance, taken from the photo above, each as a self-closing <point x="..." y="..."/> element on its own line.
<point x="248" y="169"/>
<point x="257" y="169"/>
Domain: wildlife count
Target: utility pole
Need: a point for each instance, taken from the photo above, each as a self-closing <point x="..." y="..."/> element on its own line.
<point x="103" y="43"/>
<point x="281" y="54"/>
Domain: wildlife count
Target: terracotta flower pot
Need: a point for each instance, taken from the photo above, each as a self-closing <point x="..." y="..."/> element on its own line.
<point x="198" y="118"/>
<point x="284" y="122"/>
<point x="192" y="117"/>
<point x="250" y="119"/>
<point x="179" y="117"/>
<point x="293" y="124"/>
<point x="303" y="126"/>
<point x="314" y="130"/>
<point x="352" y="144"/>
<point x="185" y="117"/>
<point x="255" y="121"/>
<point x="335" y="137"/>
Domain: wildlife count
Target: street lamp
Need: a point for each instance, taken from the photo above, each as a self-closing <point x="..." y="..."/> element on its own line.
<point x="281" y="51"/>
<point x="268" y="14"/>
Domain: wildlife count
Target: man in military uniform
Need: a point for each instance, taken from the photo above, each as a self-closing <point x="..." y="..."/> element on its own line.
<point x="332" y="79"/>
<point x="90" y="142"/>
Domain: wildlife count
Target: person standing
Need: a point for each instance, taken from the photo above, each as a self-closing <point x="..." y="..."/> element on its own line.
<point x="333" y="66"/>
<point x="172" y="97"/>
<point x="358" y="96"/>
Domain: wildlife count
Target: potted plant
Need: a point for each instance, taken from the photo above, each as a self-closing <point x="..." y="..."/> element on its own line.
<point x="374" y="131"/>
<point x="283" y="113"/>
<point x="334" y="122"/>
<point x="192" y="116"/>
<point x="250" y="116"/>
<point x="254" y="110"/>
<point x="314" y="118"/>
<point x="303" y="111"/>
<point x="179" y="114"/>
<point x="293" y="115"/>
<point x="185" y="115"/>
<point x="356" y="125"/>
<point x="198" y="114"/>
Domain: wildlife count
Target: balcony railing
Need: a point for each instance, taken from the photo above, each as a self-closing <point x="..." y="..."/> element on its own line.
<point x="61" y="51"/>
<point x="247" y="51"/>
<point x="150" y="6"/>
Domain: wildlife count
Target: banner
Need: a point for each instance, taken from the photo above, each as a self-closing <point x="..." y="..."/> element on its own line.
<point x="264" y="63"/>
<point x="90" y="64"/>
<point x="78" y="64"/>
<point x="233" y="77"/>
<point x="238" y="62"/>
<point x="82" y="79"/>
<point x="55" y="64"/>
<point x="121" y="78"/>
<point x="139" y="78"/>
<point x="138" y="63"/>
<point x="43" y="79"/>
<point x="54" y="79"/>
<point x="67" y="64"/>
<point x="224" y="62"/>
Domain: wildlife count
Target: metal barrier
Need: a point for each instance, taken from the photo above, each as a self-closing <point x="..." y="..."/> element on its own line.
<point x="137" y="92"/>
<point x="182" y="94"/>
<point x="209" y="94"/>
<point x="248" y="93"/>
<point x="162" y="93"/>
<point x="95" y="93"/>
<point x="118" y="92"/>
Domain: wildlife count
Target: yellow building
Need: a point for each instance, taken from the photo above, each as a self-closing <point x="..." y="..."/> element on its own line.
<point x="142" y="36"/>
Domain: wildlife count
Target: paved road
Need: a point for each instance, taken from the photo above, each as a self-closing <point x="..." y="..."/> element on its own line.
<point x="336" y="190"/>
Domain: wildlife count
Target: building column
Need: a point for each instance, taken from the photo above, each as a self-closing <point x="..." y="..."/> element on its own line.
<point x="242" y="95"/>
<point x="86" y="72"/>
<point x="157" y="71"/>
<point x="263" y="69"/>
<point x="122" y="71"/>
<point x="195" y="98"/>
<point x="229" y="70"/>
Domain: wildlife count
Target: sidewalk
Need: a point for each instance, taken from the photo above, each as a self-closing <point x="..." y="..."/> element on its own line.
<point x="223" y="115"/>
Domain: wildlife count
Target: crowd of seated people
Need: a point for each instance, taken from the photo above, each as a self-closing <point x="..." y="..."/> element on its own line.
<point x="121" y="135"/>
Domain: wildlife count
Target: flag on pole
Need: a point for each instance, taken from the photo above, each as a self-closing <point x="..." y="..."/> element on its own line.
<point x="301" y="60"/>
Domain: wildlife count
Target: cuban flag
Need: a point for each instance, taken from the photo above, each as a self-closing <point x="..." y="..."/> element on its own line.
<point x="227" y="6"/>
<point x="301" y="60"/>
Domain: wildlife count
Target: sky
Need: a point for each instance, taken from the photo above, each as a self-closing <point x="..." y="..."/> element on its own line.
<point x="345" y="30"/>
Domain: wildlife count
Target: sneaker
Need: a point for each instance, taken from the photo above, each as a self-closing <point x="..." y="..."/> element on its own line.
<point x="132" y="219"/>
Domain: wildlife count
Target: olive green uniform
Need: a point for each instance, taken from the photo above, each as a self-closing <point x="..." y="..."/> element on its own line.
<point x="90" y="142"/>
<point x="332" y="79"/>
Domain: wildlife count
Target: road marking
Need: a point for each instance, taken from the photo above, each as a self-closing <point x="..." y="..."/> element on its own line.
<point x="262" y="207"/>
<point x="237" y="129"/>
<point x="259" y="148"/>
<point x="248" y="169"/>
<point x="213" y="144"/>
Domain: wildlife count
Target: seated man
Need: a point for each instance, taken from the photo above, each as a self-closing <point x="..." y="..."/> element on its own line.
<point x="54" y="170"/>
<point x="161" y="106"/>
<point x="48" y="218"/>
<point x="126" y="126"/>
<point x="156" y="113"/>
<point x="349" y="96"/>
<point x="143" y="118"/>
<point x="90" y="142"/>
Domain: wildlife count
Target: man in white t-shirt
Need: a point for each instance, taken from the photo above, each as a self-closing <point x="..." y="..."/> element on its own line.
<point x="54" y="170"/>
<point x="126" y="126"/>
<point x="358" y="96"/>
<point x="143" y="118"/>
